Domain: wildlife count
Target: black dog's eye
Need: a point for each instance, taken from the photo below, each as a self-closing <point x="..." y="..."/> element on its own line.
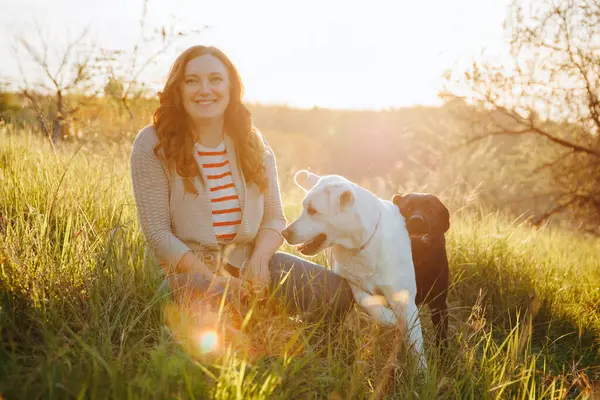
<point x="311" y="211"/>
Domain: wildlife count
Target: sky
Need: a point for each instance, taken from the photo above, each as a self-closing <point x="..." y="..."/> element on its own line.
<point x="337" y="54"/>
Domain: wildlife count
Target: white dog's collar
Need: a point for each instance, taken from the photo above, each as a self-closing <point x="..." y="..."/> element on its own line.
<point x="361" y="248"/>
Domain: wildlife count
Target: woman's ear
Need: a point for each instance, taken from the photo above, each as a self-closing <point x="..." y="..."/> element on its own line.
<point x="306" y="180"/>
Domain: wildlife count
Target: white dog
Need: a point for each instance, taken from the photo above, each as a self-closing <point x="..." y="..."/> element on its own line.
<point x="370" y="247"/>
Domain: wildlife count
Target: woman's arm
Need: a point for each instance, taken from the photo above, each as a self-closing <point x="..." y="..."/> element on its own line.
<point x="268" y="239"/>
<point x="192" y="263"/>
<point x="273" y="217"/>
<point x="267" y="242"/>
<point x="151" y="194"/>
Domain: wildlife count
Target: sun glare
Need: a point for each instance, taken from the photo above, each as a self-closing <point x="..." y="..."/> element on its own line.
<point x="386" y="54"/>
<point x="208" y="341"/>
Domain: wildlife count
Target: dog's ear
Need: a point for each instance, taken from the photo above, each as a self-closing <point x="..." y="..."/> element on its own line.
<point x="397" y="199"/>
<point x="445" y="223"/>
<point x="443" y="215"/>
<point x="343" y="196"/>
<point x="306" y="180"/>
<point x="346" y="200"/>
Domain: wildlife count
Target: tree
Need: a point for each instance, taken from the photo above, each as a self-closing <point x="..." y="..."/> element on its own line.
<point x="124" y="68"/>
<point x="58" y="74"/>
<point x="550" y="89"/>
<point x="9" y="103"/>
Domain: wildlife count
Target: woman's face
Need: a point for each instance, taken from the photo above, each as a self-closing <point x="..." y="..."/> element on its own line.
<point x="205" y="88"/>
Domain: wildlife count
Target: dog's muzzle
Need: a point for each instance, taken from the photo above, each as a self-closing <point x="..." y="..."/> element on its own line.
<point x="309" y="247"/>
<point x="417" y="225"/>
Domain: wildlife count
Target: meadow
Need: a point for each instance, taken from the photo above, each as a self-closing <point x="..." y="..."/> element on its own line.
<point x="80" y="316"/>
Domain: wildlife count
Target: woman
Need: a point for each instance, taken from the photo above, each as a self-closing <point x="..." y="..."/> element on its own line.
<point x="207" y="194"/>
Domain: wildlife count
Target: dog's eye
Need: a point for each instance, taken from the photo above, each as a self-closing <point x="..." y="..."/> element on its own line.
<point x="311" y="211"/>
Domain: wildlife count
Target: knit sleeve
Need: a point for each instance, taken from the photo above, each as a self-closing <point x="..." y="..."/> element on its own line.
<point x="151" y="194"/>
<point x="273" y="217"/>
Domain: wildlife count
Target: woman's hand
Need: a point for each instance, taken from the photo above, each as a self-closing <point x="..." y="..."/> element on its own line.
<point x="257" y="273"/>
<point x="257" y="270"/>
<point x="234" y="288"/>
<point x="194" y="281"/>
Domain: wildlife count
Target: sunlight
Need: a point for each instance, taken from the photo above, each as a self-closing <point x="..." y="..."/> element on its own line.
<point x="111" y="274"/>
<point x="386" y="54"/>
<point x="208" y="341"/>
<point x="401" y="297"/>
<point x="375" y="300"/>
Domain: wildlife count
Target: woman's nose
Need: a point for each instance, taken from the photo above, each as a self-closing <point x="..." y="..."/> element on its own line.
<point x="203" y="88"/>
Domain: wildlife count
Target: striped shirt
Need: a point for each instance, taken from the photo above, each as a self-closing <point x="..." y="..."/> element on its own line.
<point x="226" y="211"/>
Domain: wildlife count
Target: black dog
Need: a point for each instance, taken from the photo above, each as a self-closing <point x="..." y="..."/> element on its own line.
<point x="427" y="220"/>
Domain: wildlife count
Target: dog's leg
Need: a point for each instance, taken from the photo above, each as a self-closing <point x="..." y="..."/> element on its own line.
<point x="377" y="311"/>
<point x="405" y="308"/>
<point x="439" y="317"/>
<point x="414" y="332"/>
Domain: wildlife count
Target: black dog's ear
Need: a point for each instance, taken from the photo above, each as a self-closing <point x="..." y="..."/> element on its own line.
<point x="445" y="223"/>
<point x="396" y="199"/>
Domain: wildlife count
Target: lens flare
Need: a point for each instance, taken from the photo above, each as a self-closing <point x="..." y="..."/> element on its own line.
<point x="208" y="341"/>
<point x="375" y="300"/>
<point x="401" y="297"/>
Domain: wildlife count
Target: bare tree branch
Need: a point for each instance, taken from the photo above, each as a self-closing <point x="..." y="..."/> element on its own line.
<point x="70" y="48"/>
<point x="553" y="162"/>
<point x="550" y="90"/>
<point x="71" y="75"/>
<point x="124" y="83"/>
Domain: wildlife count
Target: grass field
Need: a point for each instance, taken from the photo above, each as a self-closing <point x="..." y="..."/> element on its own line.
<point x="80" y="318"/>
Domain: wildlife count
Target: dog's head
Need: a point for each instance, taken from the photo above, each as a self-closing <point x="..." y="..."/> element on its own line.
<point x="328" y="212"/>
<point x="424" y="213"/>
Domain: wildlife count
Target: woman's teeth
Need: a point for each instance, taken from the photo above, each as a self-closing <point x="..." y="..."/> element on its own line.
<point x="204" y="102"/>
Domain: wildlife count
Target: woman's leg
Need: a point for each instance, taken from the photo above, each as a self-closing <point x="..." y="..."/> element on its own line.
<point x="308" y="287"/>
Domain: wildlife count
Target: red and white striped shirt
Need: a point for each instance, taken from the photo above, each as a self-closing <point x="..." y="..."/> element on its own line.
<point x="226" y="211"/>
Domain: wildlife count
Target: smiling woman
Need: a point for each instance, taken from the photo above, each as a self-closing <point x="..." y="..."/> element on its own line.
<point x="207" y="195"/>
<point x="205" y="88"/>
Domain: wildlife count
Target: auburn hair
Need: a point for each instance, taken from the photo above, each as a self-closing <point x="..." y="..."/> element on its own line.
<point x="175" y="139"/>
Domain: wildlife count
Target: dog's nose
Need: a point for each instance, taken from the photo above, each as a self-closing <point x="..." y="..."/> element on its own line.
<point x="417" y="225"/>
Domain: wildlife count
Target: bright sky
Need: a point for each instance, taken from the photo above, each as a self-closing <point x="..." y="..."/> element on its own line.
<point x="328" y="53"/>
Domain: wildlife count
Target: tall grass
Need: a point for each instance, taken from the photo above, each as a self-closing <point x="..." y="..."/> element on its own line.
<point x="81" y="317"/>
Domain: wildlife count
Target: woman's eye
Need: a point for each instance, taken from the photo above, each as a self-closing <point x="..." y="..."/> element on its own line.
<point x="190" y="81"/>
<point x="311" y="211"/>
<point x="216" y="79"/>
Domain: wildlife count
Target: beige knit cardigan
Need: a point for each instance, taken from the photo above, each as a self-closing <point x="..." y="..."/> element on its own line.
<point x="174" y="222"/>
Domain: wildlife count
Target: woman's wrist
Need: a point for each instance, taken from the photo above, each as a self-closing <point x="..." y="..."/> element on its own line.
<point x="185" y="262"/>
<point x="192" y="263"/>
<point x="263" y="253"/>
<point x="267" y="242"/>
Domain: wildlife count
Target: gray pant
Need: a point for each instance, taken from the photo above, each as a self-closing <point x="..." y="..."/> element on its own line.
<point x="302" y="286"/>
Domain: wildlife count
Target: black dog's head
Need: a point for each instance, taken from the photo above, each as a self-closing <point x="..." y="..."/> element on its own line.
<point x="424" y="213"/>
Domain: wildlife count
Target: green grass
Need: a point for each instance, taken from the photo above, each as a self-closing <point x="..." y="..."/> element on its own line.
<point x="80" y="317"/>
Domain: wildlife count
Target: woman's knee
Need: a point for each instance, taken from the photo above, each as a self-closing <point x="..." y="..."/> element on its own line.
<point x="311" y="285"/>
<point x="283" y="265"/>
<point x="277" y="261"/>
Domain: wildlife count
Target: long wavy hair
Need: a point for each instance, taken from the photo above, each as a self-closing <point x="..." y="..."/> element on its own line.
<point x="175" y="138"/>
